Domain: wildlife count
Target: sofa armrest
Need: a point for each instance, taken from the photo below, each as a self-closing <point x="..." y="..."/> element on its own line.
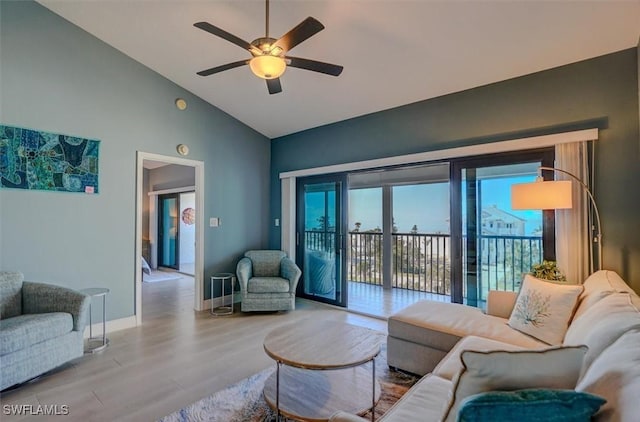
<point x="39" y="298"/>
<point x="345" y="417"/>
<point x="501" y="303"/>
<point x="291" y="272"/>
<point x="244" y="271"/>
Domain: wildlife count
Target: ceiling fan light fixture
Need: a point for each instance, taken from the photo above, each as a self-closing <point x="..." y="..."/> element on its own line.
<point x="267" y="66"/>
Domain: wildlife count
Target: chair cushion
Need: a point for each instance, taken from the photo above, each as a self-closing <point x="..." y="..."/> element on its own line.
<point x="10" y="294"/>
<point x="426" y="401"/>
<point x="603" y="323"/>
<point x="267" y="285"/>
<point x="440" y="325"/>
<point x="265" y="263"/>
<point x="22" y="331"/>
<point x="615" y="375"/>
<point x="597" y="286"/>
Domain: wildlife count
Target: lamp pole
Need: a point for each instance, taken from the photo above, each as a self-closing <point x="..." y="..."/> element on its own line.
<point x="598" y="236"/>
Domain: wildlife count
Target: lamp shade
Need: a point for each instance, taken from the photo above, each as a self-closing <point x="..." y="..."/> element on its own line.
<point x="552" y="195"/>
<point x="267" y="67"/>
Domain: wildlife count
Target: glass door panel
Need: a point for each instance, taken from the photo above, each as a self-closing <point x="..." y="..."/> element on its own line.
<point x="168" y="231"/>
<point x="496" y="244"/>
<point x="320" y="238"/>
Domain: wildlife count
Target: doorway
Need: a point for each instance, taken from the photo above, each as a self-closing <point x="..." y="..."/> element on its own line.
<point x="147" y="240"/>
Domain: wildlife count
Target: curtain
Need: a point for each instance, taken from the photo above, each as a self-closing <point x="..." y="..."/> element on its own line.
<point x="574" y="253"/>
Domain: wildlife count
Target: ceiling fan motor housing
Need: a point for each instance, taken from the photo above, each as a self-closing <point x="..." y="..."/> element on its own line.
<point x="265" y="44"/>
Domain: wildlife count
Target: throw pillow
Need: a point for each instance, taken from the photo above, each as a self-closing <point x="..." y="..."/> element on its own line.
<point x="556" y="368"/>
<point x="531" y="405"/>
<point x="543" y="309"/>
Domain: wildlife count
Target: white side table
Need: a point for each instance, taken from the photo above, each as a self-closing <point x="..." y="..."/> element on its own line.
<point x="97" y="344"/>
<point x="222" y="278"/>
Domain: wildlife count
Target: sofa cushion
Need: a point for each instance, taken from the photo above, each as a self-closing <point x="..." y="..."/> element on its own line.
<point x="615" y="375"/>
<point x="267" y="285"/>
<point x="426" y="401"/>
<point x="265" y="263"/>
<point x="543" y="309"/>
<point x="26" y="330"/>
<point x="597" y="286"/>
<point x="10" y="294"/>
<point x="556" y="368"/>
<point x="451" y="365"/>
<point x="530" y="405"/>
<point x="441" y="325"/>
<point x="603" y="323"/>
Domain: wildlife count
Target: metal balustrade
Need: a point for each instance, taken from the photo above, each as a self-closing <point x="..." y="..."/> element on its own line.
<point x="421" y="262"/>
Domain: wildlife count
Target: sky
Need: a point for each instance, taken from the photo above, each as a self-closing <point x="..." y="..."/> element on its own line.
<point x="425" y="205"/>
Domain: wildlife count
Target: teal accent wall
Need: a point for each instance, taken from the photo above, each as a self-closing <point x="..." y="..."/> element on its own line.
<point x="601" y="92"/>
<point x="56" y="77"/>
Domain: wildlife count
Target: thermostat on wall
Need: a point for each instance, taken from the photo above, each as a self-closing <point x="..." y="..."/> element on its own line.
<point x="182" y="149"/>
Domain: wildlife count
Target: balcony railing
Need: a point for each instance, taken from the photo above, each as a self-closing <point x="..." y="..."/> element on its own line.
<point x="421" y="262"/>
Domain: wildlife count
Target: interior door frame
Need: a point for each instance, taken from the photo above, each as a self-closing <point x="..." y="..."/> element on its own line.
<point x="340" y="234"/>
<point x="198" y="276"/>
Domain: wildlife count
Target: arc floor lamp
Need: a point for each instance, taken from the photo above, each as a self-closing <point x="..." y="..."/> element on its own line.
<point x="554" y="195"/>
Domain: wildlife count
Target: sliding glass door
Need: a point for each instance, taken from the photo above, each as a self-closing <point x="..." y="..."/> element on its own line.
<point x="320" y="238"/>
<point x="493" y="245"/>
<point x="168" y="231"/>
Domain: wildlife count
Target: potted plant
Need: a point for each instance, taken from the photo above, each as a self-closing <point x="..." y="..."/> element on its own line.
<point x="548" y="270"/>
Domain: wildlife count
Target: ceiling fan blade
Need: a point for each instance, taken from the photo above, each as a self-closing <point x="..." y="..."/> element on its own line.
<point x="206" y="26"/>
<point x="305" y="29"/>
<point x="222" y="68"/>
<point x="315" y="66"/>
<point x="274" y="85"/>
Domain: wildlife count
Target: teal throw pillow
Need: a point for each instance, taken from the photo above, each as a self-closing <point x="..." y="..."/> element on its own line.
<point x="531" y="405"/>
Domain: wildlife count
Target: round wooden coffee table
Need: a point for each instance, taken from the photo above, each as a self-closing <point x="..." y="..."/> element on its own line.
<point x="319" y="370"/>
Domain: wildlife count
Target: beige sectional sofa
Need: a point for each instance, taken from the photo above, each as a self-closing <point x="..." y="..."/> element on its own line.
<point x="429" y="337"/>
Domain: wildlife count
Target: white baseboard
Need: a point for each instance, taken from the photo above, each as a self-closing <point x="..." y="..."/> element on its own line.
<point x="113" y="325"/>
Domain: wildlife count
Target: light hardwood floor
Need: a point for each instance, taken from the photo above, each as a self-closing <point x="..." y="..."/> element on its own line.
<point x="174" y="358"/>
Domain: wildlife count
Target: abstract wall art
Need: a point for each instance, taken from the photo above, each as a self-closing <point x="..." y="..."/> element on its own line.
<point x="32" y="159"/>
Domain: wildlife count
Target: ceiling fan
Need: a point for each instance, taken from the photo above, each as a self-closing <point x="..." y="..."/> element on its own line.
<point x="269" y="59"/>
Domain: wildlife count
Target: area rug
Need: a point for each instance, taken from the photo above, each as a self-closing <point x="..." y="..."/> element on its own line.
<point x="243" y="401"/>
<point x="160" y="276"/>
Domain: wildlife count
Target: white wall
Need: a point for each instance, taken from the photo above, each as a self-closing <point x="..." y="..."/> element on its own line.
<point x="187" y="231"/>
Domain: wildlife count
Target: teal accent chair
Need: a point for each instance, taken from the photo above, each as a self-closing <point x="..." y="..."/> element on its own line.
<point x="41" y="327"/>
<point x="268" y="281"/>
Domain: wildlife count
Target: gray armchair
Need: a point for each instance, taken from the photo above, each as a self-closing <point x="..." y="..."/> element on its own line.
<point x="41" y="327"/>
<point x="268" y="281"/>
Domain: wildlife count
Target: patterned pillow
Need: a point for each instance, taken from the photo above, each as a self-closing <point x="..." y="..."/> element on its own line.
<point x="543" y="309"/>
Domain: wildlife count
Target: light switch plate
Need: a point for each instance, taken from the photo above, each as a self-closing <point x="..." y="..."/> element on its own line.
<point x="277" y="222"/>
<point x="214" y="222"/>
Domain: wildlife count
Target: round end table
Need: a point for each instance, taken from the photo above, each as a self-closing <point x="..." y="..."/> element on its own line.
<point x="97" y="344"/>
<point x="224" y="309"/>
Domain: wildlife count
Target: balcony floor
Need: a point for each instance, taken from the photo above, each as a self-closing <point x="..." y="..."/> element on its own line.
<point x="373" y="300"/>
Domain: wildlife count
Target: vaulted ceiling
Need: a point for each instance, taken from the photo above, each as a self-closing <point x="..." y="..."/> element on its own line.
<point x="394" y="52"/>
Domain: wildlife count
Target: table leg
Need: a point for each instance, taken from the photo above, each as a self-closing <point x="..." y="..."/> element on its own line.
<point x="90" y="322"/>
<point x="104" y="320"/>
<point x="373" y="389"/>
<point x="277" y="391"/>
